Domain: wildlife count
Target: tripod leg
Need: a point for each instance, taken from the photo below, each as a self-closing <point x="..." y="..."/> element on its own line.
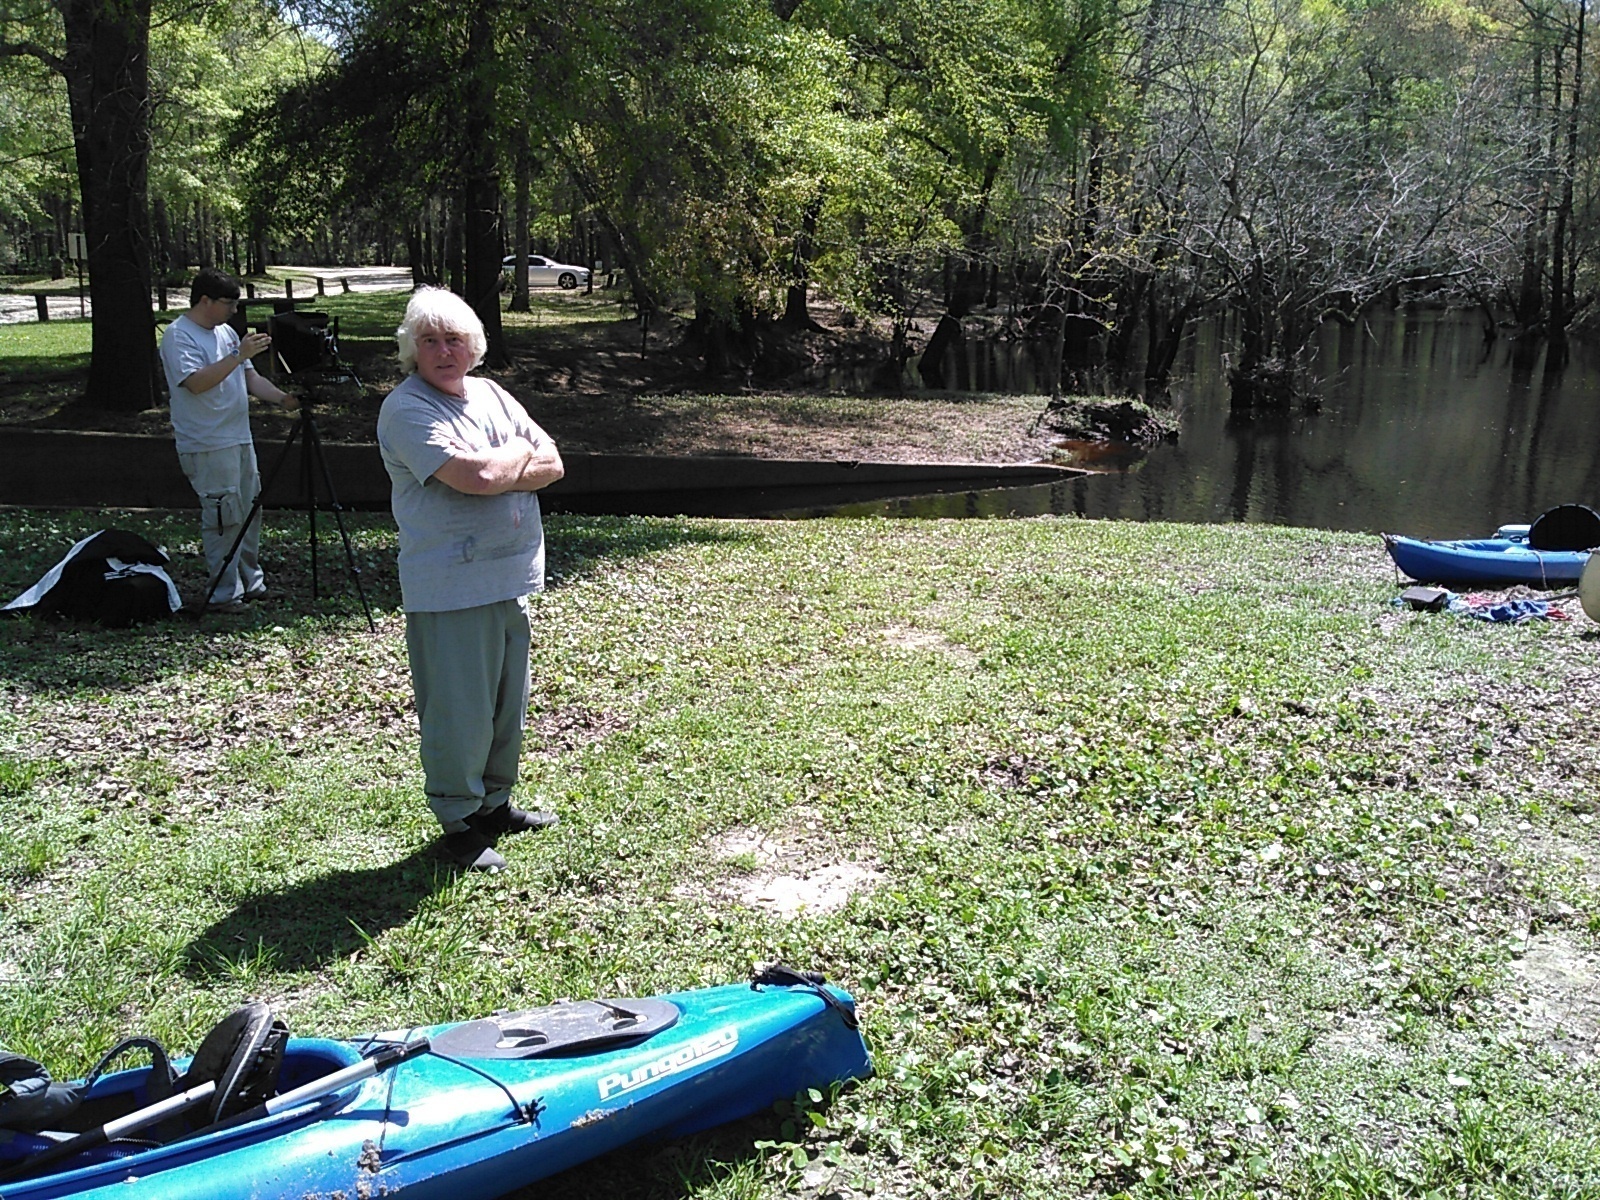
<point x="308" y="491"/>
<point x="255" y="513"/>
<point x="314" y="444"/>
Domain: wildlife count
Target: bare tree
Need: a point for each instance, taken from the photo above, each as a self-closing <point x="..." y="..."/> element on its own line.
<point x="1276" y="175"/>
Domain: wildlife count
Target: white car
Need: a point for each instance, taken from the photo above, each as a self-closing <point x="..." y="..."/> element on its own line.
<point x="546" y="272"/>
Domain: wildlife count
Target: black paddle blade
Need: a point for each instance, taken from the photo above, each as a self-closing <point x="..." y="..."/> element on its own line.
<point x="567" y="1027"/>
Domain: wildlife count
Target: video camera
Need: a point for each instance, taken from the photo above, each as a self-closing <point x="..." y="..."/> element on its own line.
<point x="308" y="343"/>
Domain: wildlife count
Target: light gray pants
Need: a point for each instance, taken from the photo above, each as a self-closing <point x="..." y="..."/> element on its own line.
<point x="227" y="482"/>
<point x="469" y="673"/>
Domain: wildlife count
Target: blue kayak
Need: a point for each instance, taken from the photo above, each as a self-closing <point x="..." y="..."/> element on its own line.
<point x="470" y="1110"/>
<point x="1498" y="561"/>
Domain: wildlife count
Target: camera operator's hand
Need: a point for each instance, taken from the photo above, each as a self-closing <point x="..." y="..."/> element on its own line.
<point x="252" y="344"/>
<point x="263" y="388"/>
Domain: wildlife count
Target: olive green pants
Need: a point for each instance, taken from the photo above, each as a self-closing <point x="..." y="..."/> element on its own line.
<point x="469" y="674"/>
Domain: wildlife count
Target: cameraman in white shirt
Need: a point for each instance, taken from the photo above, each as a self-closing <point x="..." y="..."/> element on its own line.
<point x="211" y="379"/>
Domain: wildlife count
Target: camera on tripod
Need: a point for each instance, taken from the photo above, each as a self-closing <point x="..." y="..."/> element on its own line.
<point x="307" y="346"/>
<point x="307" y="343"/>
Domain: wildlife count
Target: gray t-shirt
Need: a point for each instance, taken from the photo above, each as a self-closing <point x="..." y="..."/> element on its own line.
<point x="214" y="419"/>
<point x="458" y="551"/>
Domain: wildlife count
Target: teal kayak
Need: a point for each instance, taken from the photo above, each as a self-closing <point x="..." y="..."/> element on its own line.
<point x="465" y="1111"/>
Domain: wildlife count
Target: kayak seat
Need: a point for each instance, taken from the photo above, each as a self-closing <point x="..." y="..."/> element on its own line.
<point x="243" y="1055"/>
<point x="1566" y="527"/>
<point x="67" y="1108"/>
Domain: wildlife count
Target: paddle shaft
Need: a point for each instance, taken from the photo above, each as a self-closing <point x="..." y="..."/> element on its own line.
<point x="380" y="1060"/>
<point x="121" y="1127"/>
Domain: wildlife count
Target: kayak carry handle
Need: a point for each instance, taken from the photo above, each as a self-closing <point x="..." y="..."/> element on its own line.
<point x="777" y="972"/>
<point x="782" y="975"/>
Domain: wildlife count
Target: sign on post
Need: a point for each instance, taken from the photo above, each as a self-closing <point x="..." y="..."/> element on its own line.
<point x="77" y="247"/>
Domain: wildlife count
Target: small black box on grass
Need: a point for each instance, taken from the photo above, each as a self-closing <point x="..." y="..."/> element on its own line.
<point x="1425" y="599"/>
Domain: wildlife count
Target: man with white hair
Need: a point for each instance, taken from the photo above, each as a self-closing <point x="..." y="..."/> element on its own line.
<point x="465" y="461"/>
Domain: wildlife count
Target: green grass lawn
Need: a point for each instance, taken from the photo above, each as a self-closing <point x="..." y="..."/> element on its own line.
<point x="43" y="350"/>
<point x="1163" y="861"/>
<point x="367" y="321"/>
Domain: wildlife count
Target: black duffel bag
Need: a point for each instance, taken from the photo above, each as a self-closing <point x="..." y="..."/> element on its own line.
<point x="113" y="578"/>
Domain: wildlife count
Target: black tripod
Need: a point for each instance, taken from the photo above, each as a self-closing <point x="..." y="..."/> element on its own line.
<point x="312" y="463"/>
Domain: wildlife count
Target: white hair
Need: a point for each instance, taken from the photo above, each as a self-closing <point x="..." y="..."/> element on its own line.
<point x="435" y="310"/>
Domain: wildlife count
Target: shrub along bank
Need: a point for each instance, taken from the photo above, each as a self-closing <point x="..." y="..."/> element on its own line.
<point x="1163" y="860"/>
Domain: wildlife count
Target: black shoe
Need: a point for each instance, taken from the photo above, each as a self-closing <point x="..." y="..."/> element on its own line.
<point x="470" y="849"/>
<point x="497" y="822"/>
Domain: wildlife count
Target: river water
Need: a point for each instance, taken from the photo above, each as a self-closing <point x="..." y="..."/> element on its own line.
<point x="1422" y="430"/>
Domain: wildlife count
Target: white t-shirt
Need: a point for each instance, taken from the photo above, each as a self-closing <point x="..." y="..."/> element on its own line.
<point x="458" y="551"/>
<point x="214" y="419"/>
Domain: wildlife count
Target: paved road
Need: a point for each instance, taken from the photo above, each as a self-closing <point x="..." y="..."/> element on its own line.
<point x="14" y="309"/>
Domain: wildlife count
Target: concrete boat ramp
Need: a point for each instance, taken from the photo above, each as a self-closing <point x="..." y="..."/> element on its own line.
<point x="61" y="468"/>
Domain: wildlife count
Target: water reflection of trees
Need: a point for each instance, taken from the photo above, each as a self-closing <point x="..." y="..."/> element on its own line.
<point x="1416" y="434"/>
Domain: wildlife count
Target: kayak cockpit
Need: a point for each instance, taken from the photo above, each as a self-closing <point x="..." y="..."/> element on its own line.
<point x="114" y="1097"/>
<point x="1488" y="546"/>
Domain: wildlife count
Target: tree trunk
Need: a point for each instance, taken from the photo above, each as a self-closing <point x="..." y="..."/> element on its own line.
<point x="481" y="192"/>
<point x="1563" y="277"/>
<point x="258" y="245"/>
<point x="796" y="310"/>
<point x="519" y="285"/>
<point x="965" y="279"/>
<point x="931" y="365"/>
<point x="161" y="265"/>
<point x="454" y="255"/>
<point x="1528" y="307"/>
<point x="107" y="73"/>
<point x="202" y="225"/>
<point x="414" y="253"/>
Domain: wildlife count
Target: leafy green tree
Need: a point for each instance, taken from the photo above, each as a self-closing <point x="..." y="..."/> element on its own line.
<point x="208" y="63"/>
<point x="36" y="181"/>
<point x="971" y="97"/>
<point x="410" y="110"/>
<point x="101" y="51"/>
<point x="100" y="48"/>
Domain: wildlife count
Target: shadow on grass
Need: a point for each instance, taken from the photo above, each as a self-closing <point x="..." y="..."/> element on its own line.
<point x="576" y="546"/>
<point x="65" y="657"/>
<point x="308" y="925"/>
<point x="688" y="1166"/>
<point x="23" y="370"/>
